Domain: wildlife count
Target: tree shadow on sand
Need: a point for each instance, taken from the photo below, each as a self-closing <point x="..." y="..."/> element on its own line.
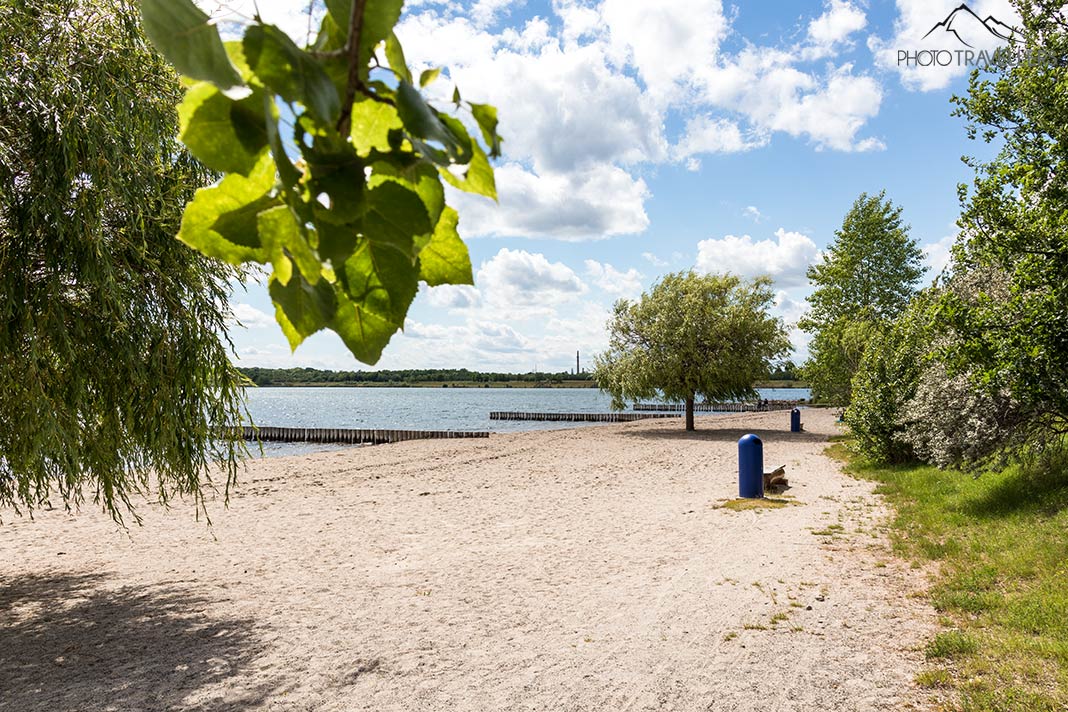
<point x="728" y="435"/>
<point x="74" y="641"/>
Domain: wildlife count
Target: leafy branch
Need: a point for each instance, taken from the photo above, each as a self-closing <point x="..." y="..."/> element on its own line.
<point x="358" y="219"/>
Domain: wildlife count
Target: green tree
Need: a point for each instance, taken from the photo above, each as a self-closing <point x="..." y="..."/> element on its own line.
<point x="835" y="353"/>
<point x="869" y="273"/>
<point x="358" y="219"/>
<point x="112" y="373"/>
<point x="885" y="383"/>
<point x="1015" y="220"/>
<point x="691" y="335"/>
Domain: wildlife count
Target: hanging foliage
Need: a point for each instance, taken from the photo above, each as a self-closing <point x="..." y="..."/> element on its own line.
<point x="112" y="373"/>
<point x="333" y="165"/>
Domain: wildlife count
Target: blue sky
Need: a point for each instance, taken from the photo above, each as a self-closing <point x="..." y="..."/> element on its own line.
<point x="643" y="138"/>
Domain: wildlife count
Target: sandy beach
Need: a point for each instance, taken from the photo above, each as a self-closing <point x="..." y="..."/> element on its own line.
<point x="583" y="569"/>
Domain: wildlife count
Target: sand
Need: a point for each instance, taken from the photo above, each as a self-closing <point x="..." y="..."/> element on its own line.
<point x="583" y="569"/>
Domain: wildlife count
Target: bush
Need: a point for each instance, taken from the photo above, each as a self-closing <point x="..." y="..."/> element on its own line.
<point x="883" y="385"/>
<point x="949" y="422"/>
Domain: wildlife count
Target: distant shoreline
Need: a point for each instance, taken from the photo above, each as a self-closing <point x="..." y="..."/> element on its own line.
<point x="470" y="384"/>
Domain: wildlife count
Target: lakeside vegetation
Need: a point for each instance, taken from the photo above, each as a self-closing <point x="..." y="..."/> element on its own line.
<point x="783" y="377"/>
<point x="423" y="377"/>
<point x="1000" y="556"/>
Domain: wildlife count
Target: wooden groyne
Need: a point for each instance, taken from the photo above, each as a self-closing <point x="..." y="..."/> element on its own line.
<point x="717" y="407"/>
<point x="351" y="436"/>
<point x="579" y="417"/>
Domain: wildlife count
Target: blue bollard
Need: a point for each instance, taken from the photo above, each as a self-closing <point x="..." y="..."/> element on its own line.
<point x="750" y="467"/>
<point x="795" y="420"/>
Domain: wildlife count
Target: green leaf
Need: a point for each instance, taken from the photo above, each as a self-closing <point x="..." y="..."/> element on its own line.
<point x="423" y="122"/>
<point x="379" y="19"/>
<point x="395" y="57"/>
<point x="363" y="332"/>
<point x="302" y="309"/>
<point x="380" y="279"/>
<point x="486" y="116"/>
<point x="286" y="170"/>
<point x="371" y="123"/>
<point x="282" y="238"/>
<point x="428" y="75"/>
<point x="339" y="11"/>
<point x="444" y="259"/>
<point x="418" y="176"/>
<point x="221" y="220"/>
<point x="291" y="72"/>
<point x="336" y="242"/>
<point x="335" y="170"/>
<point x="478" y="178"/>
<point x="225" y="135"/>
<point x="236" y="51"/>
<point x="395" y="216"/>
<point x="186" y="37"/>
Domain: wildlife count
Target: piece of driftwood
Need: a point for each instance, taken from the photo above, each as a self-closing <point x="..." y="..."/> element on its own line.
<point x="776" y="478"/>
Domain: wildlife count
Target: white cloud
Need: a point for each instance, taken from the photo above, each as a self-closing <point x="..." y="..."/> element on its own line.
<point x="453" y="296"/>
<point x="485" y="12"/>
<point x="654" y="260"/>
<point x="706" y="134"/>
<point x="835" y="25"/>
<point x="753" y="213"/>
<point x="785" y="258"/>
<point x="584" y="97"/>
<point x="938" y="255"/>
<point x="790" y="310"/>
<point x="667" y="40"/>
<point x="497" y="338"/>
<point x="590" y="203"/>
<point x="765" y="85"/>
<point x="612" y="281"/>
<point x="250" y="317"/>
<point x="917" y="18"/>
<point x="478" y="343"/>
<point x="517" y="278"/>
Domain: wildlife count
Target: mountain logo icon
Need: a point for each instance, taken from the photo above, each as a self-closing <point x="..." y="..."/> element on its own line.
<point x="963" y="20"/>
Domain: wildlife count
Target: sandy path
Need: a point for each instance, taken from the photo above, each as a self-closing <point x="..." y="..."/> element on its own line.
<point x="586" y="569"/>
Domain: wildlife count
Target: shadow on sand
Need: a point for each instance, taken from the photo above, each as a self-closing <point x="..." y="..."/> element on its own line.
<point x="727" y="434"/>
<point x="73" y="641"/>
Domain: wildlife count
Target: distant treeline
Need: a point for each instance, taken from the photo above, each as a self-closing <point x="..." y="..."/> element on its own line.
<point x="786" y="372"/>
<point x="306" y="376"/>
<point x="302" y="376"/>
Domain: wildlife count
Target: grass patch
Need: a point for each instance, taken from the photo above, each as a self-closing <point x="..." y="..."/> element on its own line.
<point x="1001" y="544"/>
<point x="951" y="644"/>
<point x="934" y="678"/>
<point x="743" y="505"/>
<point x="831" y="530"/>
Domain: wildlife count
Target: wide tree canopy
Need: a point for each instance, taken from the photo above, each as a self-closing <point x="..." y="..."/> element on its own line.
<point x="865" y="280"/>
<point x="111" y="365"/>
<point x="692" y="335"/>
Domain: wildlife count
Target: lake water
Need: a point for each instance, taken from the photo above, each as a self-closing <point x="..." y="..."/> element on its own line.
<point x="428" y="408"/>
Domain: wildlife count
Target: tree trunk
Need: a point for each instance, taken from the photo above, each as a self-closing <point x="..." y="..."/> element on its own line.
<point x="689" y="413"/>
